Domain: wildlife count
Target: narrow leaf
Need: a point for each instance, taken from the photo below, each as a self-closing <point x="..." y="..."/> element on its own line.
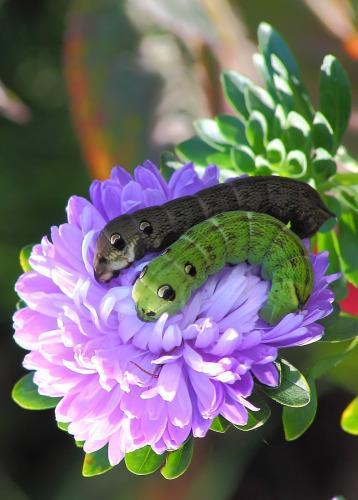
<point x="349" y="420"/>
<point x="24" y="257"/>
<point x="208" y="130"/>
<point x="322" y="133"/>
<point x="256" y="418"/>
<point x="178" y="461"/>
<point x="297" y="420"/>
<point x="143" y="461"/>
<point x="96" y="463"/>
<point x="195" y="150"/>
<point x="232" y="129"/>
<point x="25" y="394"/>
<point x="256" y="131"/>
<point x="243" y="158"/>
<point x="234" y="86"/>
<point x="293" y="389"/>
<point x="220" y="424"/>
<point x="335" y="96"/>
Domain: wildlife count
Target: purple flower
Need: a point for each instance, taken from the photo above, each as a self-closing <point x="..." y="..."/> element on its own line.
<point x="126" y="383"/>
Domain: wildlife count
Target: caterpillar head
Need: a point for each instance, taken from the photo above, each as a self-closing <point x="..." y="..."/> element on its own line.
<point x="116" y="248"/>
<point x="157" y="291"/>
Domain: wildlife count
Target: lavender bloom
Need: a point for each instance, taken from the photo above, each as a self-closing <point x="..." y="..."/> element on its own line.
<point x="126" y="383"/>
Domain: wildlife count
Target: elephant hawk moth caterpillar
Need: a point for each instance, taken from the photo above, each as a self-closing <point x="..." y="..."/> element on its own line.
<point x="130" y="236"/>
<point x="167" y="282"/>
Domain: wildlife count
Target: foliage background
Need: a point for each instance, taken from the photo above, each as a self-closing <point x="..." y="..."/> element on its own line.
<point x="107" y="82"/>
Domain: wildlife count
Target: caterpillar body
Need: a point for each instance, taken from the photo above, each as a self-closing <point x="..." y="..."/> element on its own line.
<point x="165" y="285"/>
<point x="130" y="236"/>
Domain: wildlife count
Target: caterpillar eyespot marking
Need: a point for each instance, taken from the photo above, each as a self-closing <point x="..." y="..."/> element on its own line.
<point x="259" y="239"/>
<point x="288" y="200"/>
<point x="117" y="242"/>
<point x="165" y="292"/>
<point x="146" y="227"/>
<point x="190" y="269"/>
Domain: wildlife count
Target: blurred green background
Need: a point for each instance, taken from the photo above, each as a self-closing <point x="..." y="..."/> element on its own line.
<point x="87" y="85"/>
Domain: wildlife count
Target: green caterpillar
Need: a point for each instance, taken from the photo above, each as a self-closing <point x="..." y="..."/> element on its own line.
<point x="166" y="284"/>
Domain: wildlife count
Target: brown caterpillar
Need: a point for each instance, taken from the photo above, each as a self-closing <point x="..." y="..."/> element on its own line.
<point x="130" y="236"/>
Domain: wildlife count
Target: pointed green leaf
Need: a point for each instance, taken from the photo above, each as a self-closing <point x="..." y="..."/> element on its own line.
<point x="143" y="461"/>
<point x="346" y="178"/>
<point x="195" y="150"/>
<point x="63" y="426"/>
<point x="296" y="164"/>
<point x="349" y="420"/>
<point x="167" y="159"/>
<point x="297" y="420"/>
<point x="293" y="389"/>
<point x="24" y="258"/>
<point x="298" y="133"/>
<point x="96" y="463"/>
<point x="324" y="365"/>
<point x="256" y="131"/>
<point x="282" y="67"/>
<point x="348" y="237"/>
<point x="276" y="152"/>
<point x="220" y="424"/>
<point x="322" y="133"/>
<point x="279" y="122"/>
<point x="234" y="86"/>
<point x="323" y="165"/>
<point x="20" y="304"/>
<point x="335" y="96"/>
<point x="243" y="158"/>
<point x="256" y="418"/>
<point x="232" y="129"/>
<point x="25" y="394"/>
<point x="329" y="241"/>
<point x="178" y="461"/>
<point x="209" y="132"/>
<point x="257" y="99"/>
<point x="339" y="327"/>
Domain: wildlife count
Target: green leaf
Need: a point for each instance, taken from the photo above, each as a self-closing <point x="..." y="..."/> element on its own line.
<point x="324" y="365"/>
<point x="257" y="99"/>
<point x="25" y="394"/>
<point x="63" y="426"/>
<point x="234" y="86"/>
<point x="276" y="152"/>
<point x="348" y="237"/>
<point x="279" y="122"/>
<point x="282" y="67"/>
<point x="293" y="389"/>
<point x="339" y="327"/>
<point x="298" y="133"/>
<point x="178" y="461"/>
<point x="20" y="304"/>
<point x="96" y="463"/>
<point x="297" y="420"/>
<point x="335" y="96"/>
<point x="232" y="129"/>
<point x="256" y="131"/>
<point x="349" y="420"/>
<point x="323" y="165"/>
<point x="243" y="158"/>
<point x="208" y="130"/>
<point x="256" y="418"/>
<point x="346" y="178"/>
<point x="195" y="150"/>
<point x="220" y="424"/>
<point x="323" y="136"/>
<point x="143" y="461"/>
<point x="24" y="258"/>
<point x="167" y="159"/>
<point x="296" y="164"/>
<point x="270" y="42"/>
<point x="329" y="241"/>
